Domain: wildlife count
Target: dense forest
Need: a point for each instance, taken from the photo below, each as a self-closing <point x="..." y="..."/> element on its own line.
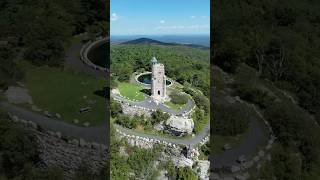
<point x="38" y="31"/>
<point x="183" y="64"/>
<point x="280" y="40"/>
<point x="186" y="65"/>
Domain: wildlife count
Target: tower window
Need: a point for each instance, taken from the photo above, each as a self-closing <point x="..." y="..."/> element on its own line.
<point x="158" y="92"/>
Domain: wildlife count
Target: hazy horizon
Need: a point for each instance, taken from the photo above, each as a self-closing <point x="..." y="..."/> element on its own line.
<point x="202" y="39"/>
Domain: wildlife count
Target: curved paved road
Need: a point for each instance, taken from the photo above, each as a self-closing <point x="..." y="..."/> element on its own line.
<point x="97" y="134"/>
<point x="256" y="137"/>
<point x="147" y="103"/>
<point x="190" y="141"/>
<point x="73" y="61"/>
<point x="91" y="134"/>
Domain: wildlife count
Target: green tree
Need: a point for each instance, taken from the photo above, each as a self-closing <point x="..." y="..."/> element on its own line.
<point x="186" y="173"/>
<point x="158" y="116"/>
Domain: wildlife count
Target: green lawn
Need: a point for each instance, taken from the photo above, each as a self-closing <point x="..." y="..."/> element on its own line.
<point x="174" y="106"/>
<point x="131" y="91"/>
<point x="65" y="92"/>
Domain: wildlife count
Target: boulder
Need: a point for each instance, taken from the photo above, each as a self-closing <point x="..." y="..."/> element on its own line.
<point x="181" y="161"/>
<point x="159" y="126"/>
<point x="179" y="125"/>
<point x="58" y="134"/>
<point x="76" y="121"/>
<point x="46" y="113"/>
<point x="35" y="108"/>
<point x="162" y="175"/>
<point x="204" y="169"/>
<point x="18" y="95"/>
<point x="58" y="115"/>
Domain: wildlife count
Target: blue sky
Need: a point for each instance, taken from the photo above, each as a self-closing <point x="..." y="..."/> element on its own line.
<point x="159" y="17"/>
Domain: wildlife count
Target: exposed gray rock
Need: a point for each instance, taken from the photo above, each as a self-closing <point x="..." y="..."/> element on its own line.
<point x="134" y="110"/>
<point x="203" y="169"/>
<point x="58" y="115"/>
<point x="46" y="113"/>
<point x="122" y="151"/>
<point x="35" y="108"/>
<point x="86" y="124"/>
<point x="58" y="134"/>
<point x="235" y="169"/>
<point x="18" y="95"/>
<point x="159" y="126"/>
<point x="55" y="152"/>
<point x="181" y="161"/>
<point x="179" y="125"/>
<point x="162" y="176"/>
<point x="76" y="121"/>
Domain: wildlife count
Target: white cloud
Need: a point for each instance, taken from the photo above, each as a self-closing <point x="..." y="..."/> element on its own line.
<point x="114" y="17"/>
<point x="198" y="17"/>
<point x="169" y="27"/>
<point x="162" y="21"/>
<point x="199" y="26"/>
<point x="196" y="26"/>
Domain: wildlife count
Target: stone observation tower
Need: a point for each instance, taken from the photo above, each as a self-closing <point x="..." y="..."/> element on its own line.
<point x="158" y="81"/>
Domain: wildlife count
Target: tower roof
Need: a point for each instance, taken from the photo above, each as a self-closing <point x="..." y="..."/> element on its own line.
<point x="154" y="60"/>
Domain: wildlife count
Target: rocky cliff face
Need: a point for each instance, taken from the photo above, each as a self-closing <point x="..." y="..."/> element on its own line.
<point x="64" y="153"/>
<point x="179" y="125"/>
<point x="68" y="155"/>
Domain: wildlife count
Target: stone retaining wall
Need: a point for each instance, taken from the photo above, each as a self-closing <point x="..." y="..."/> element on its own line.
<point x="84" y="53"/>
<point x="144" y="142"/>
<point x="57" y="150"/>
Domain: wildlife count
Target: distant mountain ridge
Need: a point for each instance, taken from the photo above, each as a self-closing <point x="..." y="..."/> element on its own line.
<point x="152" y="41"/>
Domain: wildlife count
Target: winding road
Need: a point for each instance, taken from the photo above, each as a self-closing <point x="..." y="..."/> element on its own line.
<point x="147" y="103"/>
<point x="256" y="137"/>
<point x="91" y="134"/>
<point x="99" y="133"/>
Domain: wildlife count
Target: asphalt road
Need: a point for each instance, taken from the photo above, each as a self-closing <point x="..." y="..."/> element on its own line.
<point x="91" y="134"/>
<point x="178" y="141"/>
<point x="257" y="136"/>
<point x="95" y="133"/>
<point x="147" y="103"/>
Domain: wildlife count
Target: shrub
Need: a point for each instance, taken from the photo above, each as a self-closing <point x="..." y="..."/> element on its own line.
<point x="126" y="121"/>
<point x="158" y="116"/>
<point x="230" y="120"/>
<point x="201" y="100"/>
<point x="115" y="108"/>
<point x="178" y="98"/>
<point x="255" y="95"/>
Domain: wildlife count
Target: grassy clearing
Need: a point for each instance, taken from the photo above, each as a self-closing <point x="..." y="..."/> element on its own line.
<point x="174" y="106"/>
<point x="65" y="92"/>
<point x="131" y="91"/>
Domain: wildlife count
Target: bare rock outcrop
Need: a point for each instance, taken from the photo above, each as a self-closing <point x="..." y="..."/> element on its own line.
<point x="179" y="126"/>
